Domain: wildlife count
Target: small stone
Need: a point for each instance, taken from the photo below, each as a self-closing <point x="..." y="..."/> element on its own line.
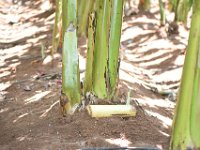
<point x="27" y="88"/>
<point x="47" y="60"/>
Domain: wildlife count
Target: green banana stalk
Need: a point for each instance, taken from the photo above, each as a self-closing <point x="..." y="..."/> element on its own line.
<point x="70" y="97"/>
<point x="85" y="9"/>
<point x="182" y="10"/>
<point x="114" y="44"/>
<point x="101" y="49"/>
<point x="90" y="54"/>
<point x="186" y="127"/>
<point x="57" y="27"/>
<point x="162" y="13"/>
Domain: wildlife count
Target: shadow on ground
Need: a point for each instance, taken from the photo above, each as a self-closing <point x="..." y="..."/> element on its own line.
<point x="151" y="62"/>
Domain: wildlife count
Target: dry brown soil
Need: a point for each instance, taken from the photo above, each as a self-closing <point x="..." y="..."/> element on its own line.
<point x="151" y="62"/>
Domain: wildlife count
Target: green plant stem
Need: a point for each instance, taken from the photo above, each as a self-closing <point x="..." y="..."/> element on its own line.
<point x="185" y="132"/>
<point x="70" y="68"/>
<point x="57" y="26"/>
<point x="69" y="14"/>
<point x="101" y="49"/>
<point x="70" y="62"/>
<point x="114" y="43"/>
<point x="162" y="13"/>
<point x="173" y="5"/>
<point x="182" y="9"/>
<point x="90" y="54"/>
<point x="83" y="17"/>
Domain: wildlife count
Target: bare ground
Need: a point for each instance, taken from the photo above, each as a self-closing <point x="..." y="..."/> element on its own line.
<point x="151" y="62"/>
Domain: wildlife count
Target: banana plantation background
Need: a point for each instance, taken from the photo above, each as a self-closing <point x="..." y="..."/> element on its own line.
<point x="99" y="74"/>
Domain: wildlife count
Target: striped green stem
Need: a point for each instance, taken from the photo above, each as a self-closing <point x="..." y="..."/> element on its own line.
<point x="114" y="43"/>
<point x="70" y="62"/>
<point x="83" y="16"/>
<point x="182" y="10"/>
<point x="69" y="14"/>
<point x="101" y="49"/>
<point x="186" y="128"/>
<point x="90" y="54"/>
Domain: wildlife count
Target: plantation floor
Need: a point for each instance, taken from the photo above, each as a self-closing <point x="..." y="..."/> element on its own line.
<point x="151" y="65"/>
